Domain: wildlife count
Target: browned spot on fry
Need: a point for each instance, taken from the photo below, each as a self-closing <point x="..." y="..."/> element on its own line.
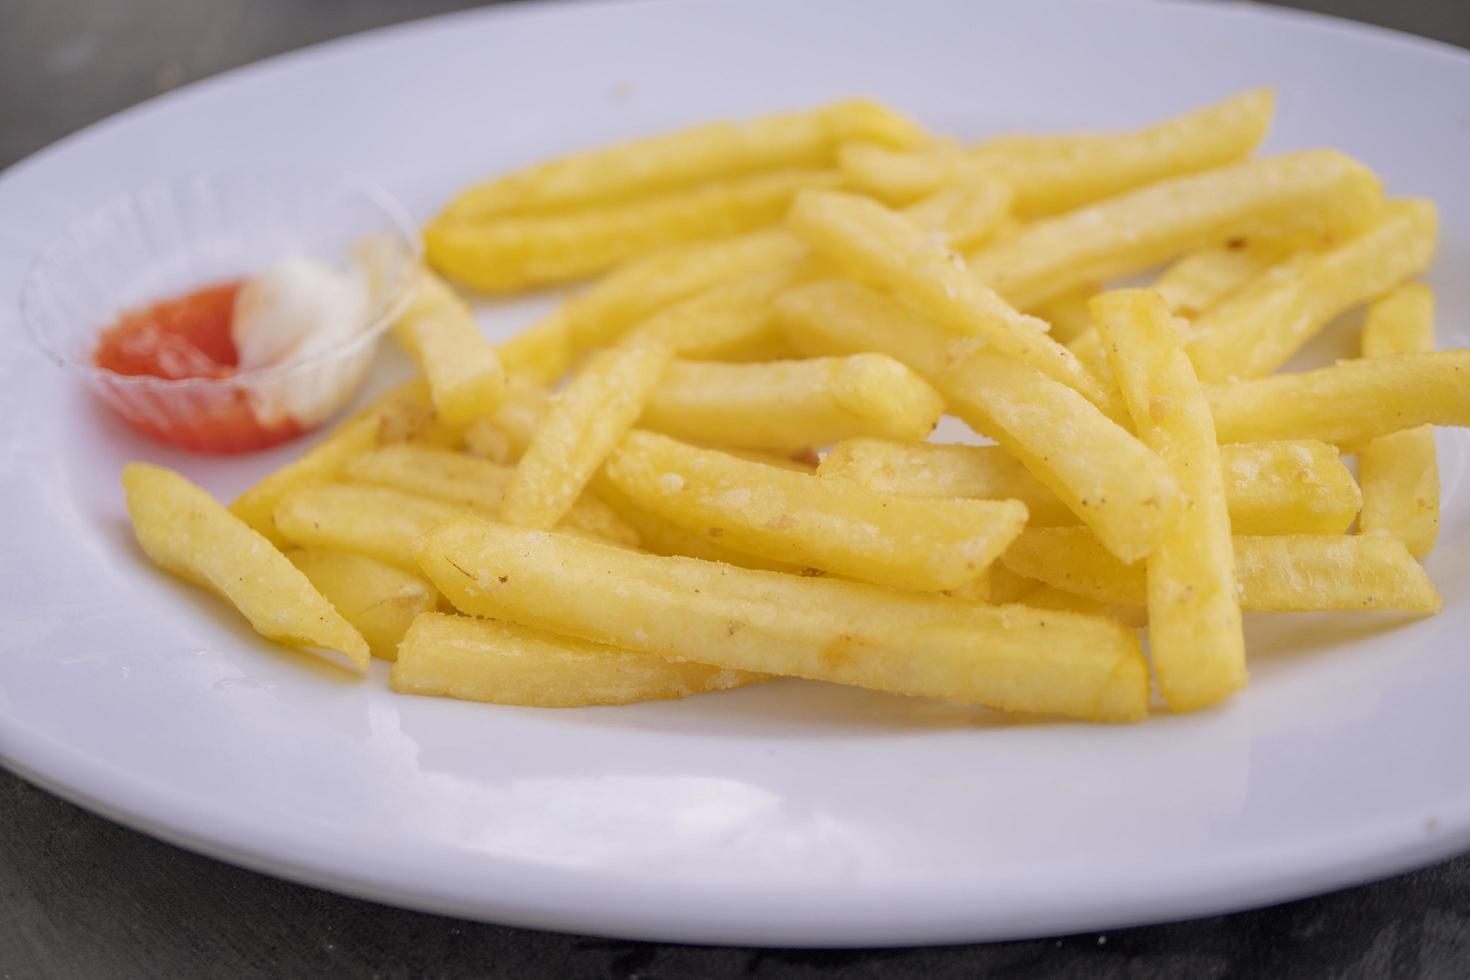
<point x="839" y="653"/>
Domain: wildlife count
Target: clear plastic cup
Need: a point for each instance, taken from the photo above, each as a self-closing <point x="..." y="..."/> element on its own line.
<point x="172" y="238"/>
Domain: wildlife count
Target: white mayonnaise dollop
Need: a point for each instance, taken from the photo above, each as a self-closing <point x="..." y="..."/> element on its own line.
<point x="297" y="308"/>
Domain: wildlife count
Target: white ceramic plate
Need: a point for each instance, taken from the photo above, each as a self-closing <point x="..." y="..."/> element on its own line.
<point x="789" y="814"/>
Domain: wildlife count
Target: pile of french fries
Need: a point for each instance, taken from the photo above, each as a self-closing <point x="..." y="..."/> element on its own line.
<point x="709" y="467"/>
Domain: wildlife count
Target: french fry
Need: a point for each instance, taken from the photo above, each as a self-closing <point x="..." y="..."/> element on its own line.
<point x="904" y="542"/>
<point x="723" y="320"/>
<point x="660" y="536"/>
<point x="184" y="531"/>
<point x="656" y="164"/>
<point x="506" y="434"/>
<point x="380" y="601"/>
<point x="502" y="663"/>
<point x="1067" y="314"/>
<point x="1349" y="403"/>
<point x="823" y="629"/>
<point x="465" y="378"/>
<point x="513" y="253"/>
<point x="1400" y="472"/>
<point x="1006" y="586"/>
<point x="1051" y="175"/>
<point x="1050" y="597"/>
<point x="1194" y="628"/>
<point x="886" y="250"/>
<point x="641" y="288"/>
<point x="789" y="405"/>
<point x="1258" y="329"/>
<point x="320" y="464"/>
<point x="1316" y="191"/>
<point x="900" y="176"/>
<point x="966" y="213"/>
<point x="542" y="352"/>
<point x="407" y="414"/>
<point x="472" y="482"/>
<point x="1110" y="480"/>
<point x="1281" y="573"/>
<point x="1295" y="487"/>
<point x="579" y="429"/>
<point x="1196" y="283"/>
<point x="373" y="521"/>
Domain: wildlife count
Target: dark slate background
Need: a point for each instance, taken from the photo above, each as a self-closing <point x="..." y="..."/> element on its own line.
<point x="82" y="897"/>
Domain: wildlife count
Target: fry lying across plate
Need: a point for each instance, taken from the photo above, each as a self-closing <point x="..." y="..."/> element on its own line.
<point x="712" y="465"/>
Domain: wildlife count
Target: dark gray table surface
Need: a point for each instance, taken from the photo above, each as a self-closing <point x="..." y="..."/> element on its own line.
<point x="80" y="896"/>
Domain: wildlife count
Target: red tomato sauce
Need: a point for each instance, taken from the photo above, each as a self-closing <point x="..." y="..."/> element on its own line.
<point x="186" y="337"/>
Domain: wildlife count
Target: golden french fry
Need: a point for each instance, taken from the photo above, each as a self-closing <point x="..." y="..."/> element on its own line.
<point x="1292" y="487"/>
<point x="638" y="290"/>
<point x="724" y="319"/>
<point x="886" y="250"/>
<point x="1281" y="573"/>
<point x="789" y="405"/>
<point x="407" y="414"/>
<point x="580" y="428"/>
<point x="660" y="536"/>
<point x="1196" y="283"/>
<point x="380" y="601"/>
<point x="1050" y="597"/>
<point x="465" y="378"/>
<point x="1315" y="191"/>
<point x="472" y="482"/>
<point x="898" y="176"/>
<point x="1258" y="329"/>
<point x="1110" y="480"/>
<point x="543" y="351"/>
<point x="1195" y="637"/>
<point x="502" y="663"/>
<point x="1050" y="174"/>
<point x="847" y="632"/>
<point x="1349" y="403"/>
<point x="905" y="542"/>
<point x="966" y="213"/>
<point x="1067" y="314"/>
<point x="506" y="254"/>
<point x="373" y="521"/>
<point x="184" y="531"/>
<point x="689" y="156"/>
<point x="1400" y="472"/>
<point x="320" y="464"/>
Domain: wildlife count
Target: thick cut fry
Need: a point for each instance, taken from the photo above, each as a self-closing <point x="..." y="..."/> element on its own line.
<point x="465" y="378"/>
<point x="1349" y="403"/>
<point x="636" y="291"/>
<point x="689" y="156"/>
<point x="1283" y="573"/>
<point x="1196" y="283"/>
<point x="1050" y="597"/>
<point x="1104" y="475"/>
<point x="580" y="428"/>
<point x="1259" y="328"/>
<point x="1316" y="191"/>
<point x="886" y="250"/>
<point x="380" y="601"/>
<point x="1296" y="487"/>
<point x="1400" y="472"/>
<point x="502" y="663"/>
<point x="846" y="632"/>
<point x="543" y="351"/>
<point x="473" y="482"/>
<point x="184" y="531"/>
<point x="373" y="521"/>
<point x="1051" y="175"/>
<point x="724" y="319"/>
<point x="512" y="253"/>
<point x="905" y="542"/>
<point x="1195" y="637"/>
<point x="663" y="537"/>
<point x="789" y="405"/>
<point x="1067" y="314"/>
<point x="320" y="464"/>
